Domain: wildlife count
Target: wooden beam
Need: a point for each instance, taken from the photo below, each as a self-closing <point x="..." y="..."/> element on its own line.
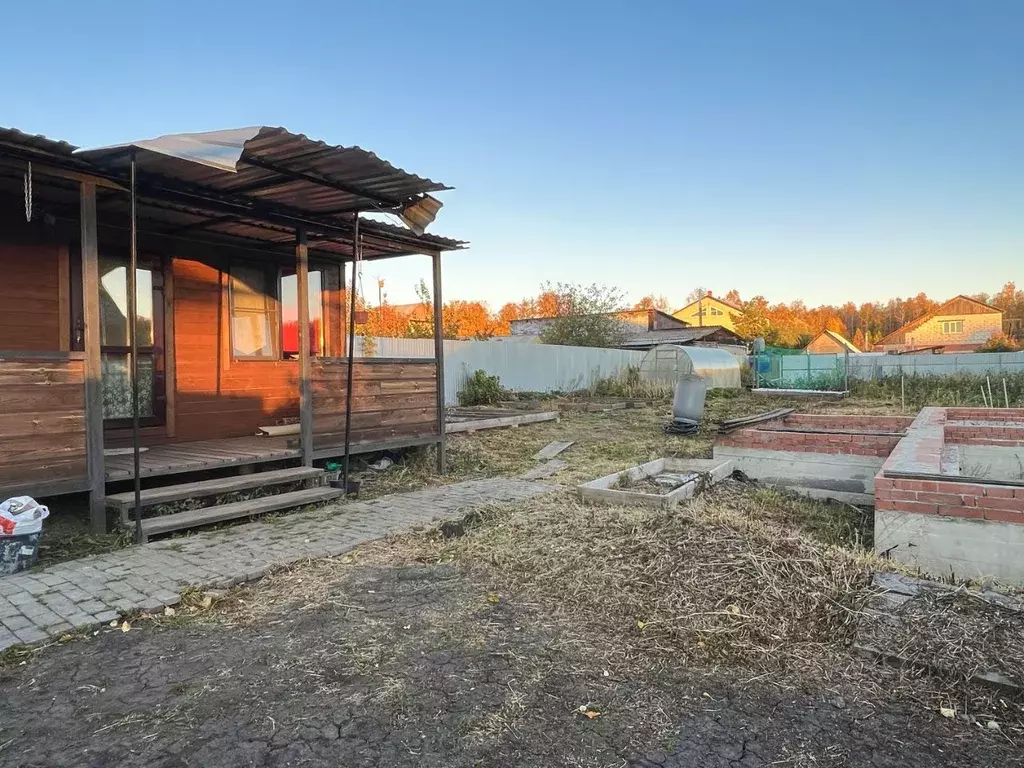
<point x="170" y="370"/>
<point x="442" y="459"/>
<point x="93" y="367"/>
<point x="64" y="298"/>
<point x="305" y="370"/>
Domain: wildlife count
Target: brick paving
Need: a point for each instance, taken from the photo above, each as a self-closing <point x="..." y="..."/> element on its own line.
<point x="41" y="604"/>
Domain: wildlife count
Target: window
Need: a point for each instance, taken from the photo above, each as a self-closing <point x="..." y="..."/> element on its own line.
<point x="290" y="314"/>
<point x="253" y="313"/>
<point x="716" y="311"/>
<point x="952" y="326"/>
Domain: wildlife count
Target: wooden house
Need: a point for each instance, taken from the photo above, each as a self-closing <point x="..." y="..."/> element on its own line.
<point x="243" y="242"/>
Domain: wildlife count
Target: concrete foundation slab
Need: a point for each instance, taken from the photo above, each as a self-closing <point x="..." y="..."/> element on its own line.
<point x="939" y="545"/>
<point x="847" y="477"/>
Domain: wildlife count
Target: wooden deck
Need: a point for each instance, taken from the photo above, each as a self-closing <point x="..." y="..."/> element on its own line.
<point x="178" y="458"/>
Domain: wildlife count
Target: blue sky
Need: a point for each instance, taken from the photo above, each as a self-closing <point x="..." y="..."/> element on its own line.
<point x="825" y="151"/>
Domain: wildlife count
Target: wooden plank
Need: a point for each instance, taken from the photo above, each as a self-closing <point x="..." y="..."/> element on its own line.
<point x="214" y="487"/>
<point x="333" y="449"/>
<point x="39" y="377"/>
<point x="93" y="368"/>
<point x="170" y="369"/>
<point x="54" y="470"/>
<point x="196" y="517"/>
<point x="64" y="297"/>
<point x="506" y="421"/>
<point x="552" y="449"/>
<point x="51" y="422"/>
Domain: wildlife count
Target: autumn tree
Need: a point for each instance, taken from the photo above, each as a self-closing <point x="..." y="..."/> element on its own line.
<point x="584" y="315"/>
<point x="754" y="320"/>
<point x="696" y="294"/>
<point x="859" y="340"/>
<point x="652" y="302"/>
<point x="733" y="297"/>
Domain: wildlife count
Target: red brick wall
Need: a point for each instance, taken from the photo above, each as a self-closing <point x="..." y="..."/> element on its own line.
<point x="950" y="499"/>
<point x="987" y="434"/>
<point x="852" y="423"/>
<point x="985" y="414"/>
<point x="811" y="442"/>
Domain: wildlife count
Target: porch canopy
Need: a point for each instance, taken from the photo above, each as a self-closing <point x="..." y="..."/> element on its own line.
<point x="247" y="187"/>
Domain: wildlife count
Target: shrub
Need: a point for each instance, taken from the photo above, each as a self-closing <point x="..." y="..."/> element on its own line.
<point x="1000" y="343"/>
<point x="481" y="389"/>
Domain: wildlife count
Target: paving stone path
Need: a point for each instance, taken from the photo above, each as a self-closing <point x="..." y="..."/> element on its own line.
<point x="41" y="604"/>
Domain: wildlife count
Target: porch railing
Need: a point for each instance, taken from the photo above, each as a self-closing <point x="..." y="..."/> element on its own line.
<point x="393" y="401"/>
<point x="42" y="423"/>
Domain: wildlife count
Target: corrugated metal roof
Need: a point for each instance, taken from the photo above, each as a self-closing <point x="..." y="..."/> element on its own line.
<point x="683" y="336"/>
<point x="278" y="172"/>
<point x="35" y="141"/>
<point x="284" y="168"/>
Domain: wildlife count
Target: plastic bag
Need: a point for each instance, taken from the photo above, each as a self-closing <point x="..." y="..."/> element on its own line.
<point x="21" y="515"/>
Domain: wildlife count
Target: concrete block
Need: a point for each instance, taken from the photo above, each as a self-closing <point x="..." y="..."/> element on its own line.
<point x="604" y="489"/>
<point x="829" y="472"/>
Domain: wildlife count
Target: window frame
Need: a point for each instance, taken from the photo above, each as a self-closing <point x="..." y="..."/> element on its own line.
<point x="272" y="310"/>
<point x="290" y="272"/>
<point x="947" y="325"/>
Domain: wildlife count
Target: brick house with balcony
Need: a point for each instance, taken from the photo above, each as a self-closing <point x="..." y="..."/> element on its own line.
<point x="962" y="324"/>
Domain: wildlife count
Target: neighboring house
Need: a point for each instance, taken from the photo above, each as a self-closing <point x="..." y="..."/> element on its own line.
<point x="710" y="336"/>
<point x="418" y="314"/>
<point x="962" y="324"/>
<point x="632" y="322"/>
<point x="830" y="342"/>
<point x="708" y="310"/>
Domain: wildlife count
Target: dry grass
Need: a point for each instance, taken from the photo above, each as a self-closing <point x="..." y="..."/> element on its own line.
<point x="707" y="584"/>
<point x="954" y="630"/>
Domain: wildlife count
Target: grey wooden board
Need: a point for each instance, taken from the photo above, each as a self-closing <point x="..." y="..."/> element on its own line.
<point x="471" y="425"/>
<point x="552" y="449"/>
<point x="547" y="469"/>
<point x="196" y="517"/>
<point x="219" y="485"/>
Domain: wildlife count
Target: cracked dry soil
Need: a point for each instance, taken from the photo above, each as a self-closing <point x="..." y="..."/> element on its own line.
<point x="415" y="666"/>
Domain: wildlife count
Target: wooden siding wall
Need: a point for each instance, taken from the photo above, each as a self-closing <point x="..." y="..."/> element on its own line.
<point x="33" y="297"/>
<point x="391" y="399"/>
<point x="42" y="424"/>
<point x="216" y="396"/>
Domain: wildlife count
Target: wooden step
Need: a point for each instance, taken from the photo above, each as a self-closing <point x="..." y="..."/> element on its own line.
<point x="152" y="526"/>
<point x="215" y="487"/>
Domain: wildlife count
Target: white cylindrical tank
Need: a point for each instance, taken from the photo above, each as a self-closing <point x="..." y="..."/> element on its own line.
<point x="666" y="363"/>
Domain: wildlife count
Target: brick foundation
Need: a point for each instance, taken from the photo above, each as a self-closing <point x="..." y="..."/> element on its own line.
<point x="983" y="434"/>
<point x="856" y="435"/>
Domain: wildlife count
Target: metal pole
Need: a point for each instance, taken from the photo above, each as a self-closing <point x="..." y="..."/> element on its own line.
<point x="133" y="344"/>
<point x="1006" y="396"/>
<point x="442" y="457"/>
<point x="356" y="256"/>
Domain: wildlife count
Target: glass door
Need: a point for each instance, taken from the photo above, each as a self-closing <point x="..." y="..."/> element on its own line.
<point x="115" y="346"/>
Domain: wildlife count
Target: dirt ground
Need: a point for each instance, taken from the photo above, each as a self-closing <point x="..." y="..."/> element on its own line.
<point x="550" y="633"/>
<point x="426" y="666"/>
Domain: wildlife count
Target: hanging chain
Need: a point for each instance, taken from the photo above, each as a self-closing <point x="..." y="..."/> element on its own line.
<point x="28" y="193"/>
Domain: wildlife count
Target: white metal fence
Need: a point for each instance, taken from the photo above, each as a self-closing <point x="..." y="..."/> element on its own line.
<point x="525" y="367"/>
<point x="868" y="367"/>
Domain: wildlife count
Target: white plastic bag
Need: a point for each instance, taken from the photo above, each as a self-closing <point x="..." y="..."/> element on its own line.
<point x="20" y="515"/>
